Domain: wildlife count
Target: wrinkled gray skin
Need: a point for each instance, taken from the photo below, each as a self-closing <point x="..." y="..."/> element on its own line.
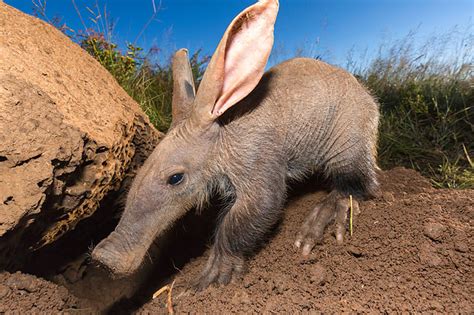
<point x="304" y="116"/>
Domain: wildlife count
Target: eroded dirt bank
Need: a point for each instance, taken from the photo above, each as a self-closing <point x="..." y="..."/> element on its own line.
<point x="70" y="136"/>
<point x="412" y="250"/>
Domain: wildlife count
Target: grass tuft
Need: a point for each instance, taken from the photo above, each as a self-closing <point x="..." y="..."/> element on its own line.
<point x="426" y="94"/>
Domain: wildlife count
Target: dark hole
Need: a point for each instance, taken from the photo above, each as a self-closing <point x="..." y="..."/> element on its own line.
<point x="3" y="158"/>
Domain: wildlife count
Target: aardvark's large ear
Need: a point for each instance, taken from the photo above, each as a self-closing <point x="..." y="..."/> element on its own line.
<point x="239" y="61"/>
<point x="183" y="86"/>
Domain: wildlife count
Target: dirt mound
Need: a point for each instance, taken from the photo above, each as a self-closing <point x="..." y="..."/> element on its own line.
<point x="20" y="293"/>
<point x="69" y="135"/>
<point x="412" y="250"/>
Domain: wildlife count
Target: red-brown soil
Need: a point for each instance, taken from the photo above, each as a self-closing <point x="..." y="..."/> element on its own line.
<point x="411" y="250"/>
<point x="25" y="293"/>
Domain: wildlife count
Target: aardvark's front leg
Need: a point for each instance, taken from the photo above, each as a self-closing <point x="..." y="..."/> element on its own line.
<point x="240" y="232"/>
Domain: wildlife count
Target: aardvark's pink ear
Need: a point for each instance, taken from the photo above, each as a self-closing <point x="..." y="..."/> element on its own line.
<point x="239" y="61"/>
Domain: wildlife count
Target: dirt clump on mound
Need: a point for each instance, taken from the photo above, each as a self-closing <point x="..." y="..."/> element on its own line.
<point x="21" y="292"/>
<point x="69" y="135"/>
<point x="411" y="250"/>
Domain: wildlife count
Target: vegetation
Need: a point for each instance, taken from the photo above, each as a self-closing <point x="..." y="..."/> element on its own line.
<point x="427" y="106"/>
<point x="426" y="101"/>
<point x="151" y="85"/>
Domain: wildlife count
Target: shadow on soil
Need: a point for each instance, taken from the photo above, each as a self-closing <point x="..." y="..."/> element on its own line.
<point x="189" y="238"/>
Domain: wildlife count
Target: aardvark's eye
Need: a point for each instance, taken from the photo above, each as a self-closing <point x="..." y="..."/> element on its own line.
<point x="175" y="179"/>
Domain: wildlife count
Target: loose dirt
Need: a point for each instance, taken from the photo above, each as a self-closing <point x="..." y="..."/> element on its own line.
<point x="411" y="250"/>
<point x="26" y="293"/>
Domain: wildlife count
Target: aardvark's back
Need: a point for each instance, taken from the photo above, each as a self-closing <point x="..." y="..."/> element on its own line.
<point x="320" y="115"/>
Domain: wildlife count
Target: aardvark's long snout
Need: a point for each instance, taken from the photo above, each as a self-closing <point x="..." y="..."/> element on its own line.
<point x="121" y="254"/>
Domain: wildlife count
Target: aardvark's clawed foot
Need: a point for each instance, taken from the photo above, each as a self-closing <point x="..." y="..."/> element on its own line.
<point x="334" y="207"/>
<point x="220" y="269"/>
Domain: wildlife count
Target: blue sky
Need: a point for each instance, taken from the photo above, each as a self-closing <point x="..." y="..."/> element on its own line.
<point x="327" y="27"/>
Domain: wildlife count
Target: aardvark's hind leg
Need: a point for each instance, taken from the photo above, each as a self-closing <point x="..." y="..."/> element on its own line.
<point x="334" y="207"/>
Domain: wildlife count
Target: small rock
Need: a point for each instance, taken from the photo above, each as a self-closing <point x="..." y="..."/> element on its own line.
<point x="429" y="257"/>
<point x="22" y="282"/>
<point x="240" y="297"/>
<point x="354" y="251"/>
<point x="436" y="306"/>
<point x="461" y="246"/>
<point x="434" y="230"/>
<point x="318" y="274"/>
<point x="388" y="197"/>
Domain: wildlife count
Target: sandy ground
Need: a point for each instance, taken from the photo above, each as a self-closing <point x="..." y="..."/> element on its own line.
<point x="411" y="250"/>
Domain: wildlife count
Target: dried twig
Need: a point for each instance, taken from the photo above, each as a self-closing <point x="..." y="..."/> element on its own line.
<point x="160" y="291"/>
<point x="350" y="214"/>
<point x="169" y="302"/>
